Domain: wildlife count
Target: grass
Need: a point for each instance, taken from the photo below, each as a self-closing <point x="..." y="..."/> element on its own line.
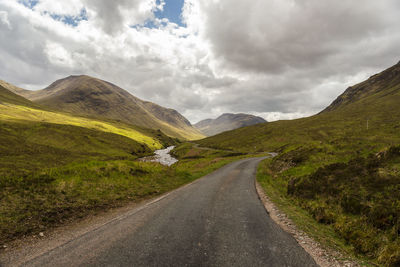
<point x="27" y="147"/>
<point x="9" y="112"/>
<point x="276" y="189"/>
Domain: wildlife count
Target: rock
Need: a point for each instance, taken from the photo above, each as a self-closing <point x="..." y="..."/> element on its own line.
<point x="41" y="234"/>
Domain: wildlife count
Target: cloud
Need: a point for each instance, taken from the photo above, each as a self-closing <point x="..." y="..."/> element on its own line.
<point x="280" y="59"/>
<point x="4" y="19"/>
<point x="275" y="36"/>
<point x="116" y="16"/>
<point x="63" y="8"/>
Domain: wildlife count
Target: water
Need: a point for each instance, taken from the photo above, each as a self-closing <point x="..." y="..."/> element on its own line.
<point x="162" y="156"/>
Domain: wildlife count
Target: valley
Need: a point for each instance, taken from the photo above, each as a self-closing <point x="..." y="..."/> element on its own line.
<point x="335" y="173"/>
<point x="58" y="167"/>
<point x="200" y="133"/>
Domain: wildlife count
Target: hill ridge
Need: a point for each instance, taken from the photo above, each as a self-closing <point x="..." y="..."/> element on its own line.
<point x="89" y="96"/>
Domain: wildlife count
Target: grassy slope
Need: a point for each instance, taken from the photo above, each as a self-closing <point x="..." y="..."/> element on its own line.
<point x="14" y="108"/>
<point x="33" y="138"/>
<point x="310" y="150"/>
<point x="22" y="113"/>
<point x="27" y="147"/>
<point x="6" y="96"/>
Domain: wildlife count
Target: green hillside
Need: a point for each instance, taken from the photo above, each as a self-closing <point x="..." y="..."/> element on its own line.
<point x="341" y="166"/>
<point x="87" y="96"/>
<point x="17" y="108"/>
<point x="32" y="138"/>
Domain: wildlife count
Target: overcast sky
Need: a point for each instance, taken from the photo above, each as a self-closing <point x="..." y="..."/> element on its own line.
<point x="280" y="59"/>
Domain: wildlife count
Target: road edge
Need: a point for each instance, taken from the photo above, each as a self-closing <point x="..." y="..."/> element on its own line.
<point x="322" y="256"/>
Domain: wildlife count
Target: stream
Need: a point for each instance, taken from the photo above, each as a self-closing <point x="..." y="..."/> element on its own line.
<point x="162" y="156"/>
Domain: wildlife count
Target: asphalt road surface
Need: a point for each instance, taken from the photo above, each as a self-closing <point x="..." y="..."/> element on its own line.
<point x="216" y="221"/>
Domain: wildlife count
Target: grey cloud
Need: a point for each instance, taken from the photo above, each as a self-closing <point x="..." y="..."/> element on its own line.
<point x="4" y="20"/>
<point x="275" y="36"/>
<point x="266" y="56"/>
<point x="22" y="52"/>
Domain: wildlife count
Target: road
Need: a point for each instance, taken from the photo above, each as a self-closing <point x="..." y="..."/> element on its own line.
<point x="216" y="221"/>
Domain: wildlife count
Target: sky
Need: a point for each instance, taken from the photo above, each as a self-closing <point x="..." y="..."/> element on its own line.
<point x="278" y="59"/>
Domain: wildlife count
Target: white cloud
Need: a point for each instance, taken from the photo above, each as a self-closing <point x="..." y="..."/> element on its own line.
<point x="58" y="55"/>
<point x="115" y="17"/>
<point x="4" y="19"/>
<point x="64" y="8"/>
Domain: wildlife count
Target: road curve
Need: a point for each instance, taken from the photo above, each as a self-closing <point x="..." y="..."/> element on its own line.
<point x="216" y="221"/>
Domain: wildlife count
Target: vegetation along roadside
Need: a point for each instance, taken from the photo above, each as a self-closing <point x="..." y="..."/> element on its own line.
<point x="36" y="201"/>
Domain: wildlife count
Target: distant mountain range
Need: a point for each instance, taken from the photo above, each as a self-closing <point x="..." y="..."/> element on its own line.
<point x="88" y="96"/>
<point x="227" y="122"/>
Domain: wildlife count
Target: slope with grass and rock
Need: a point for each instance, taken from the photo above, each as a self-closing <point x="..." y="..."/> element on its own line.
<point x="87" y="96"/>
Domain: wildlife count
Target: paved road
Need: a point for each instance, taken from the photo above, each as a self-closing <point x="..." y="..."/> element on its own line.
<point x="216" y="221"/>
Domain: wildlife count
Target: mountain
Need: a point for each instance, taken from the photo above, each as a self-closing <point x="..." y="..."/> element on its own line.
<point x="373" y="86"/>
<point x="374" y="102"/>
<point x="227" y="122"/>
<point x="15" y="109"/>
<point x="88" y="96"/>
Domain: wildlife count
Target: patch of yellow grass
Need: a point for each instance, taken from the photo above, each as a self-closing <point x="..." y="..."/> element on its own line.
<point x="11" y="112"/>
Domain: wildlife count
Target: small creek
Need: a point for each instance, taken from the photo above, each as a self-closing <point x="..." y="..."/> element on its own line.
<point x="162" y="156"/>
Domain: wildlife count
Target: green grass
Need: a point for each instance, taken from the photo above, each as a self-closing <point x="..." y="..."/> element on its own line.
<point x="27" y="147"/>
<point x="9" y="112"/>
